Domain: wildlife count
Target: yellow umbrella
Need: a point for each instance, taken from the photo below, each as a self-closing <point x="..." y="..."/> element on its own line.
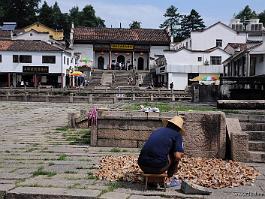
<point x="76" y="73"/>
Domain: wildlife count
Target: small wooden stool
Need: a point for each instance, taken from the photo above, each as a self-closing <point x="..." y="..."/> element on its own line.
<point x="156" y="178"/>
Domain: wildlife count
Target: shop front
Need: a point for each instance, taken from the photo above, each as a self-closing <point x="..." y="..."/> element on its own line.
<point x="32" y="76"/>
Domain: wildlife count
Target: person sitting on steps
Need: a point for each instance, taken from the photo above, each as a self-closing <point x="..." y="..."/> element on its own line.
<point x="163" y="150"/>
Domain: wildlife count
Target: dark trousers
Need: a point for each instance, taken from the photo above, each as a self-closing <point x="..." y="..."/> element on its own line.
<point x="171" y="167"/>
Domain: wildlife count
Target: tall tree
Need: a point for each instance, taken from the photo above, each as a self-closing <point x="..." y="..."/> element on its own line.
<point x="135" y="25"/>
<point x="75" y="15"/>
<point x="57" y="16"/>
<point x="246" y="14"/>
<point x="173" y="20"/>
<point x="45" y="14"/>
<point x="88" y="18"/>
<point x="191" y="22"/>
<point x="262" y="17"/>
<point x="21" y="11"/>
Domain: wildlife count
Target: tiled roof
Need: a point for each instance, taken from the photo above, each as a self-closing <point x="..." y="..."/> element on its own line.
<point x="105" y="35"/>
<point x="26" y="45"/>
<point x="241" y="46"/>
<point x="5" y="34"/>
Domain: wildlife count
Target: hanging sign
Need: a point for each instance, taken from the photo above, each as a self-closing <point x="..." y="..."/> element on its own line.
<point x="122" y="46"/>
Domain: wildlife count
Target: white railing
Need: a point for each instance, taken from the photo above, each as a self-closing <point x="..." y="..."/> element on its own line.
<point x="194" y="69"/>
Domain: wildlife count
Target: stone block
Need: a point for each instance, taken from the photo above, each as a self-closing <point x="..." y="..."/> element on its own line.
<point x="123" y="135"/>
<point x="116" y="143"/>
<point x="111" y="195"/>
<point x="94" y="136"/>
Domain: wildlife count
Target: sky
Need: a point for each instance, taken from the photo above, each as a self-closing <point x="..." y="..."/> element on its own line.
<point x="150" y="12"/>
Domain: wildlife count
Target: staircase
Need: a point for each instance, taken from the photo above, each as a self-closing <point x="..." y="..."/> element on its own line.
<point x="121" y="78"/>
<point x="253" y="123"/>
<point x="96" y="77"/>
<point x="106" y="79"/>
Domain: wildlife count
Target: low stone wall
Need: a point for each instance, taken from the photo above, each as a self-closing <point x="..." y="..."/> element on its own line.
<point x="238" y="140"/>
<point x="206" y="133"/>
<point x="241" y="104"/>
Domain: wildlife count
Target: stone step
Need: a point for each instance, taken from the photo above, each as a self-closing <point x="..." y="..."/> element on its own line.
<point x="51" y="193"/>
<point x="256" y="145"/>
<point x="257" y="156"/>
<point x="247" y="117"/>
<point x="256" y="135"/>
<point x="250" y="126"/>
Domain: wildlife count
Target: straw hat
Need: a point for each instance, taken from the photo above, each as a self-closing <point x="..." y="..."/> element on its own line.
<point x="178" y="121"/>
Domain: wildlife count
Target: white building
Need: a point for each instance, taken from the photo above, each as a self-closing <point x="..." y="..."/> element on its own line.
<point x="33" y="62"/>
<point x="252" y="27"/>
<point x="120" y="48"/>
<point x="201" y="54"/>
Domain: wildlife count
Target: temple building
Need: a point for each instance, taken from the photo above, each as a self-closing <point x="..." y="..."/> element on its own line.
<point x="119" y="48"/>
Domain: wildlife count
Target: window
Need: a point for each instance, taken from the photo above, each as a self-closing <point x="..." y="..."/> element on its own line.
<point x="15" y="59"/>
<point x="48" y="59"/>
<point x="64" y="60"/>
<point x="25" y="59"/>
<point x="199" y="59"/>
<point x="216" y="60"/>
<point x="219" y="43"/>
<point x="67" y="61"/>
<point x="0" y="58"/>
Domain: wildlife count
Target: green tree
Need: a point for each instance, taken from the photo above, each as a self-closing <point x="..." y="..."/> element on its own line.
<point x="45" y="14"/>
<point x="173" y="21"/>
<point x="135" y="25"/>
<point x="246" y="14"/>
<point x="21" y="11"/>
<point x="191" y="22"/>
<point x="88" y="18"/>
<point x="262" y="17"/>
<point x="75" y="15"/>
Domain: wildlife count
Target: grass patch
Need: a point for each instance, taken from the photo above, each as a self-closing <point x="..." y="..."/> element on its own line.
<point x="169" y="107"/>
<point x="115" y="150"/>
<point x="74" y="186"/>
<point x="42" y="172"/>
<point x="51" y="163"/>
<point x="62" y="128"/>
<point x="111" y="187"/>
<point x="70" y="172"/>
<point x="90" y="176"/>
<point x="77" y="136"/>
<point x="62" y="157"/>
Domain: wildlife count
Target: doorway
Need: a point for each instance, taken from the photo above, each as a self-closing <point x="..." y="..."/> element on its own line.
<point x="140" y="63"/>
<point x="121" y="62"/>
<point x="101" y="63"/>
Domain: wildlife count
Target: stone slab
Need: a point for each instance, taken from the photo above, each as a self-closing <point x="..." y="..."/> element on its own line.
<point x="50" y="193"/>
<point x="111" y="195"/>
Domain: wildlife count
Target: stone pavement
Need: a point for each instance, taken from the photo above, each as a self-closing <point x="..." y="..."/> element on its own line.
<point x="37" y="161"/>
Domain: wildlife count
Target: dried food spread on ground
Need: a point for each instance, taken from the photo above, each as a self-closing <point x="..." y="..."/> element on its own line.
<point x="211" y="173"/>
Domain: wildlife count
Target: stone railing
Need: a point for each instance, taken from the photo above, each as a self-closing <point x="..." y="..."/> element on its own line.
<point x="90" y="96"/>
<point x="238" y="140"/>
<point x="206" y="131"/>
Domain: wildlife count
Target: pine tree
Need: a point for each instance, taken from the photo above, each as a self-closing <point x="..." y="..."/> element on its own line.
<point x="191" y="22"/>
<point x="262" y="17"/>
<point x="135" y="25"/>
<point x="45" y="16"/>
<point x="173" y="21"/>
<point x="246" y="14"/>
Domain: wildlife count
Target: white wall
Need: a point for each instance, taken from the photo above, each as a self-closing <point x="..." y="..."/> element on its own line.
<point x="32" y="35"/>
<point x="86" y="50"/>
<point x="180" y="80"/>
<point x="207" y="39"/>
<point x="157" y="50"/>
<point x="7" y="64"/>
<point x="186" y="57"/>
